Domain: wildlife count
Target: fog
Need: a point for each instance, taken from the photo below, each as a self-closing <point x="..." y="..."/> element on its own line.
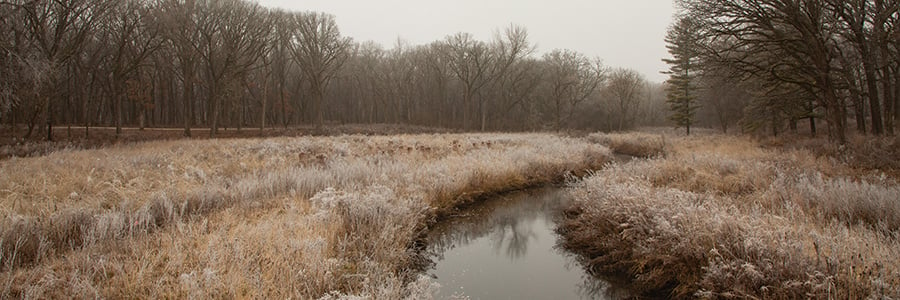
<point x="622" y="33"/>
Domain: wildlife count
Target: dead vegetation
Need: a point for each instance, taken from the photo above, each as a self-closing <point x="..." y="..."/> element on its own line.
<point x="644" y="145"/>
<point x="332" y="217"/>
<point x="720" y="216"/>
<point x="861" y="154"/>
<point x="270" y="218"/>
<point x="75" y="137"/>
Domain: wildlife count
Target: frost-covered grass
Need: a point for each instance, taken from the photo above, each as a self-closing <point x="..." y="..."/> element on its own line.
<point x="860" y="154"/>
<point x="720" y="216"/>
<point x="261" y="218"/>
<point x="637" y="144"/>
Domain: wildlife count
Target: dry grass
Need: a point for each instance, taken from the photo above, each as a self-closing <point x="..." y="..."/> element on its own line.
<point x="274" y="218"/>
<point x="68" y="138"/>
<point x="721" y="217"/>
<point x="861" y="155"/>
<point x="643" y="145"/>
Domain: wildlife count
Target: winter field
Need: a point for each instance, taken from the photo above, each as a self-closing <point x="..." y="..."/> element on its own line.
<point x="727" y="217"/>
<point x="275" y="218"/>
<point x="332" y="217"/>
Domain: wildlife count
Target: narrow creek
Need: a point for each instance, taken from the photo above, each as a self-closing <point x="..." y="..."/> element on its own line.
<point x="506" y="248"/>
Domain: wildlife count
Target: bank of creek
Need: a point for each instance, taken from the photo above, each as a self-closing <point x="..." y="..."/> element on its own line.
<point x="506" y="248"/>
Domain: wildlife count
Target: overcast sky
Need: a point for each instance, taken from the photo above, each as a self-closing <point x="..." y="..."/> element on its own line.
<point x="624" y="33"/>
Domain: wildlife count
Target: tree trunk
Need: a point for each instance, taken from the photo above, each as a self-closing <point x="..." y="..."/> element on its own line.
<point x="888" y="96"/>
<point x="188" y="97"/>
<point x="860" y="112"/>
<point x="86" y="121"/>
<point x="117" y="98"/>
<point x="265" y="98"/>
<point x="483" y="114"/>
<point x="142" y="119"/>
<point x="283" y="104"/>
<point x="213" y="111"/>
<point x="86" y="108"/>
<point x="49" y="119"/>
<point x="467" y="106"/>
<point x="723" y="118"/>
<point x="558" y="114"/>
<point x="835" y="114"/>
<point x="317" y="106"/>
<point x="240" y="112"/>
<point x="49" y="122"/>
<point x="812" y="126"/>
<point x="872" y="86"/>
<point x="32" y="122"/>
<point x="896" y="72"/>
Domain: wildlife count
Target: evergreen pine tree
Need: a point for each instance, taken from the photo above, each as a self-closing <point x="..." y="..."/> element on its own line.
<point x="682" y="43"/>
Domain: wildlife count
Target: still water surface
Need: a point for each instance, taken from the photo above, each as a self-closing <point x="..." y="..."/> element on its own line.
<point x="506" y="248"/>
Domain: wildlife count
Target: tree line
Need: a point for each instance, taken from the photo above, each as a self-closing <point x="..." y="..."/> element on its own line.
<point x="774" y="63"/>
<point x="235" y="64"/>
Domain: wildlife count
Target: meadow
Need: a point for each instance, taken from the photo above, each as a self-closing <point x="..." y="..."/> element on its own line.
<point x="301" y="217"/>
<point x="716" y="216"/>
<point x="706" y="216"/>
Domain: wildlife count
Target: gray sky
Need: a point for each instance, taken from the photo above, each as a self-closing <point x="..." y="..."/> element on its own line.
<point x="624" y="33"/>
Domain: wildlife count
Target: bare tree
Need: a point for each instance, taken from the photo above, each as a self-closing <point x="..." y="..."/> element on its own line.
<point x="572" y="78"/>
<point x="320" y="51"/>
<point x="477" y="64"/>
<point x="8" y="76"/>
<point x="854" y="15"/>
<point x="58" y="29"/>
<point x="131" y="40"/>
<point x="232" y="35"/>
<point x="266" y="64"/>
<point x="885" y="29"/>
<point x="722" y="99"/>
<point x="178" y="18"/>
<point x="623" y="89"/>
<point x="438" y="73"/>
<point x="468" y="59"/>
<point x="791" y="41"/>
<point x="508" y="49"/>
<point x="518" y="88"/>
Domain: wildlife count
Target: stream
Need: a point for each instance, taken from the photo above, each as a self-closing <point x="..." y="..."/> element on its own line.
<point x="505" y="248"/>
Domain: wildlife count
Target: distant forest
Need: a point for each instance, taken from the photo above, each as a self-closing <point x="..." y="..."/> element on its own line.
<point x="760" y="66"/>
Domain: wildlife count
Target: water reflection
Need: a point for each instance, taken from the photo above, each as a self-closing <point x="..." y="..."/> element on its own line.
<point x="505" y="248"/>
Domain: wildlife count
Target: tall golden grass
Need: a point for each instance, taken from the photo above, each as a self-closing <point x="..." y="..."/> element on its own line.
<point x="723" y="217"/>
<point x="271" y="218"/>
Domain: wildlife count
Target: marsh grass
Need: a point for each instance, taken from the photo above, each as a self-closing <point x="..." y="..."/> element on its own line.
<point x="642" y="145"/>
<point x="860" y="156"/>
<point x="723" y="217"/>
<point x="282" y="217"/>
